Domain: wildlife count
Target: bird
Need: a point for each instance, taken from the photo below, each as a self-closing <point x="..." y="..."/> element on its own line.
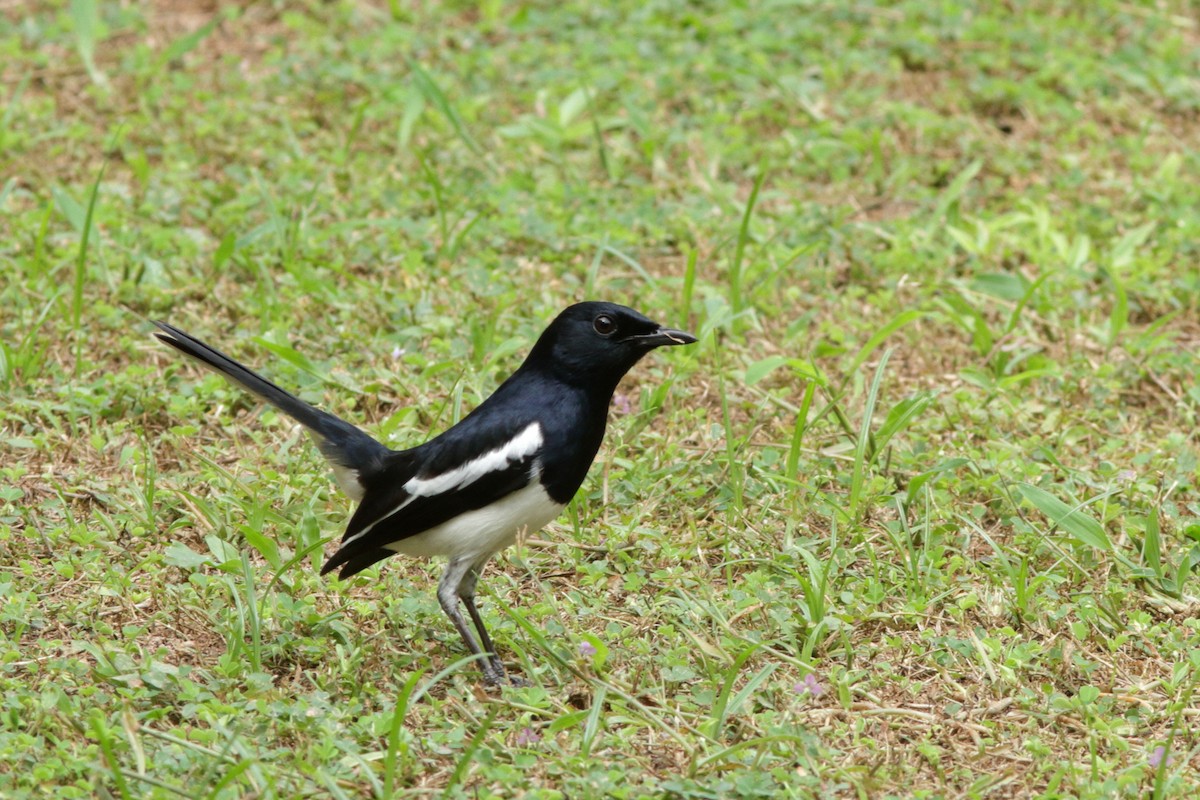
<point x="505" y="470"/>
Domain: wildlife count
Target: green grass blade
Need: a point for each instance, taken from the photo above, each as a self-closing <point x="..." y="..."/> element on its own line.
<point x="597" y="134"/>
<point x="717" y="719"/>
<point x="81" y="268"/>
<point x="103" y="737"/>
<point x="85" y="17"/>
<point x="796" y="444"/>
<point x="464" y="761"/>
<point x="737" y="266"/>
<point x="391" y="759"/>
<point x="437" y="98"/>
<point x="1072" y="519"/>
<point x="862" y="447"/>
<point x="880" y="335"/>
<point x="594" y="723"/>
<point x="1152" y="543"/>
<point x="689" y="289"/>
<point x="957" y="187"/>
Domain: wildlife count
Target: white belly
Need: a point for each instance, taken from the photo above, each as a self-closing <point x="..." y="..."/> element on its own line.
<point x="486" y="530"/>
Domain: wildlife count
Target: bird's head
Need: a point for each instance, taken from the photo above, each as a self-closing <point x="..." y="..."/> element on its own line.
<point x="600" y="342"/>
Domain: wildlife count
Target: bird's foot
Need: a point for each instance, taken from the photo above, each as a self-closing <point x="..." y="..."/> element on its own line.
<point x="496" y="676"/>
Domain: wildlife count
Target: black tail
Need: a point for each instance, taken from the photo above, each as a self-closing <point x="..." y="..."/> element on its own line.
<point x="346" y="446"/>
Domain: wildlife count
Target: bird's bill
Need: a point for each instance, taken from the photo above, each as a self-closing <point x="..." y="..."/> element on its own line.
<point x="665" y="337"/>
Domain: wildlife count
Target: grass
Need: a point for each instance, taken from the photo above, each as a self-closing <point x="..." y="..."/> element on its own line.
<point x="917" y="517"/>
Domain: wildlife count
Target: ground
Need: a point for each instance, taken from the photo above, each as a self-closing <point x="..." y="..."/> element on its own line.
<point x="917" y="517"/>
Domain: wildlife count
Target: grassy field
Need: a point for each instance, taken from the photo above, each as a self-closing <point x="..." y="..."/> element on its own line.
<point x="917" y="517"/>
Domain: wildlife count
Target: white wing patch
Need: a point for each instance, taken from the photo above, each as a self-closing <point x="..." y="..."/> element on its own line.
<point x="523" y="445"/>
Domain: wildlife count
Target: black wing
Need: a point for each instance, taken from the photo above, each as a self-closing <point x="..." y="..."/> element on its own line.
<point x="467" y="468"/>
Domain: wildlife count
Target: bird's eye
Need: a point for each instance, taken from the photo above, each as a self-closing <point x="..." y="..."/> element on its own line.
<point x="604" y="325"/>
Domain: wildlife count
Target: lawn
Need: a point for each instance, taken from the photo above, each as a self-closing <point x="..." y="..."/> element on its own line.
<point x="919" y="515"/>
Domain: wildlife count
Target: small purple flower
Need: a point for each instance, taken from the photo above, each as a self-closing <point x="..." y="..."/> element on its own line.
<point x="397" y="351"/>
<point x="811" y="685"/>
<point x="587" y="649"/>
<point x="622" y="404"/>
<point x="528" y="736"/>
<point x="1156" y="757"/>
<point x="1126" y="476"/>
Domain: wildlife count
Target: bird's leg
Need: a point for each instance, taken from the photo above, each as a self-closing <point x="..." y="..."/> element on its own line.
<point x="449" y="592"/>
<point x="466" y="591"/>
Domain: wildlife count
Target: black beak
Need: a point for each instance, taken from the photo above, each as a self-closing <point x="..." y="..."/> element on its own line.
<point x="665" y="337"/>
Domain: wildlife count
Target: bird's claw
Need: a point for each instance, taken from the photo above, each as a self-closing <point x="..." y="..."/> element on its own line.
<point x="493" y="677"/>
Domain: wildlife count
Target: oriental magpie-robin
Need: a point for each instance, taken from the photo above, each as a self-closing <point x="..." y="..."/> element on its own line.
<point x="506" y="469"/>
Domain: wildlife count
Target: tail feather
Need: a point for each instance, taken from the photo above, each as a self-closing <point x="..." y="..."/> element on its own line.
<point x="352" y="565"/>
<point x="352" y="452"/>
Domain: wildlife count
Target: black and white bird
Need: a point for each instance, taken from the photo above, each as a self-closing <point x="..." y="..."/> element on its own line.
<point x="505" y="470"/>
